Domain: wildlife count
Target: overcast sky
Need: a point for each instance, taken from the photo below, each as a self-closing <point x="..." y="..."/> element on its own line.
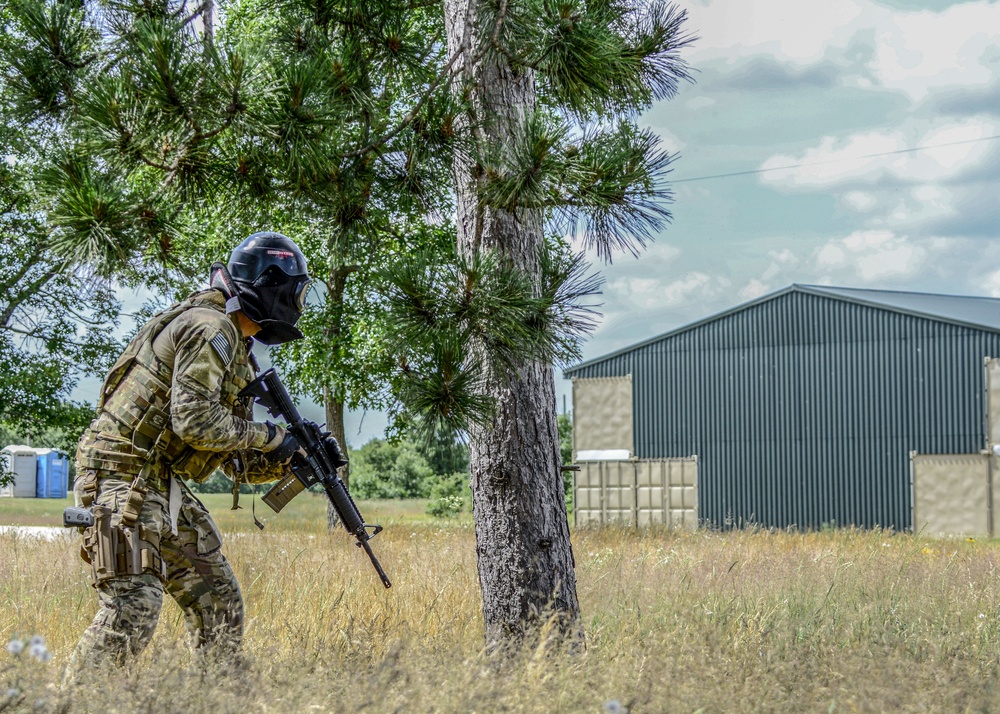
<point x="842" y="90"/>
<point x="822" y="85"/>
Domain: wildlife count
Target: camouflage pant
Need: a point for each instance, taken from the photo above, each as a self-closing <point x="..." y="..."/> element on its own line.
<point x="198" y="577"/>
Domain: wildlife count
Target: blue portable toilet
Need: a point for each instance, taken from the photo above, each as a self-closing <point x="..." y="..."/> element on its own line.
<point x="52" y="474"/>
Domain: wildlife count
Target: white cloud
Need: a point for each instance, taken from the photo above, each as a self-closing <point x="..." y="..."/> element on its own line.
<point x="796" y="31"/>
<point x="871" y="258"/>
<point x="681" y="291"/>
<point x="699" y="103"/>
<point x="860" y="201"/>
<point x="871" y="255"/>
<point x="669" y="141"/>
<point x="912" y="52"/>
<point x="918" y="51"/>
<point x="781" y="261"/>
<point x="754" y="289"/>
<point x="991" y="284"/>
<point x="867" y="158"/>
<point x="655" y="293"/>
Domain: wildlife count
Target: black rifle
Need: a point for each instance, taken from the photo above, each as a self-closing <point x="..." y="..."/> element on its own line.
<point x="315" y="465"/>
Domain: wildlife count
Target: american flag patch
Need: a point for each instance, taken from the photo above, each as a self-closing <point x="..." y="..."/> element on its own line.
<point x="222" y="347"/>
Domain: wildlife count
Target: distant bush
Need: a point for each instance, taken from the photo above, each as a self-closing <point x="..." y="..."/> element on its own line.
<point x="6" y="475"/>
<point x="448" y="495"/>
<point x="381" y="469"/>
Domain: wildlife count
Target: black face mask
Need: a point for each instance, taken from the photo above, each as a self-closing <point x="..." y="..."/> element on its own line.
<point x="274" y="301"/>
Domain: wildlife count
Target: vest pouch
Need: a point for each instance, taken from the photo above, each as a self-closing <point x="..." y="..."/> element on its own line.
<point x="195" y="465"/>
<point x="152" y="430"/>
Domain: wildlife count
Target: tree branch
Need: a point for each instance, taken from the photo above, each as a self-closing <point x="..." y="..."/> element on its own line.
<point x="30" y="262"/>
<point x="19" y="297"/>
<point x="444" y="74"/>
<point x="34" y="334"/>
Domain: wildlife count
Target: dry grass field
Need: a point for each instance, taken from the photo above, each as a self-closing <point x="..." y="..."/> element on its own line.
<point x="840" y="621"/>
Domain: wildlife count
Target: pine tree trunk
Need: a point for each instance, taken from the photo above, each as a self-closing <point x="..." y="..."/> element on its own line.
<point x="526" y="567"/>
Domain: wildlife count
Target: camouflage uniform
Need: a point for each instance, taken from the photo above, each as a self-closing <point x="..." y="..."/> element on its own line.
<point x="169" y="409"/>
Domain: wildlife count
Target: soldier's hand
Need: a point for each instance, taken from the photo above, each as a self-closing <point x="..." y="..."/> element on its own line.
<point x="284" y="450"/>
<point x="333" y="450"/>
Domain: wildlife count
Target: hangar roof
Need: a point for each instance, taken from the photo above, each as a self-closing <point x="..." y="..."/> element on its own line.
<point x="979" y="312"/>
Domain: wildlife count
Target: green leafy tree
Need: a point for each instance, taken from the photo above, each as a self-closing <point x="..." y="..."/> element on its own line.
<point x="564" y="424"/>
<point x="61" y="430"/>
<point x="56" y="321"/>
<point x="183" y="127"/>
<point x="448" y="495"/>
<point x="384" y="469"/>
<point x="444" y="452"/>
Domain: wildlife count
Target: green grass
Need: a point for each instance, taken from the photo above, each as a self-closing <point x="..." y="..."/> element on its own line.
<point x="32" y="511"/>
<point x="838" y="621"/>
<point x="306" y="513"/>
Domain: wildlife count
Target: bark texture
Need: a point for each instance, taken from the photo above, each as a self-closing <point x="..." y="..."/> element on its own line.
<point x="526" y="567"/>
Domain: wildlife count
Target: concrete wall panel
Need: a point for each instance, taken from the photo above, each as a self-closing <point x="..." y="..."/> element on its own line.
<point x="602" y="414"/>
<point x="660" y="491"/>
<point x="993" y="402"/>
<point x="951" y="494"/>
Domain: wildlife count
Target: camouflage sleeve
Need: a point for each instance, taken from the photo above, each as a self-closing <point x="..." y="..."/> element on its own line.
<point x="196" y="410"/>
<point x="252" y="467"/>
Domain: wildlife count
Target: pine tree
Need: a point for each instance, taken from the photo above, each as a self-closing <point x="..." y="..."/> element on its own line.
<point x="56" y="324"/>
<point x="546" y="141"/>
<point x="173" y="121"/>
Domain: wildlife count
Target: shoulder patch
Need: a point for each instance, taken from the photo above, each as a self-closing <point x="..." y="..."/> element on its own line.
<point x="220" y="343"/>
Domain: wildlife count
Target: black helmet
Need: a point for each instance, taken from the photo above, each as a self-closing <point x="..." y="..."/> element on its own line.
<point x="267" y="280"/>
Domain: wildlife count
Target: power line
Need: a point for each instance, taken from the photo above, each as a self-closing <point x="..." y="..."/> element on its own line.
<point x="834" y="161"/>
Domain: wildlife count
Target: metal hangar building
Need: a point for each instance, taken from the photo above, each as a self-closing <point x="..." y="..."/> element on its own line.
<point x="802" y="407"/>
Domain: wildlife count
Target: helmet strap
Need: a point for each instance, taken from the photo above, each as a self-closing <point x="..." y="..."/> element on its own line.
<point x="220" y="274"/>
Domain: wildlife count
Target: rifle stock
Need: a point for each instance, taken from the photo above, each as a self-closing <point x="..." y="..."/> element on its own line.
<point x="311" y="466"/>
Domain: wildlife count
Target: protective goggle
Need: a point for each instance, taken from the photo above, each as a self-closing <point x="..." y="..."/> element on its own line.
<point x="301" y="294"/>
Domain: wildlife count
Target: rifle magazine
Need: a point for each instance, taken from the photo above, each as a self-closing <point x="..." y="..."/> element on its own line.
<point x="282" y="492"/>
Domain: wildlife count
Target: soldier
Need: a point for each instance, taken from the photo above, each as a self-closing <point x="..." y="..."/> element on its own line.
<point x="170" y="410"/>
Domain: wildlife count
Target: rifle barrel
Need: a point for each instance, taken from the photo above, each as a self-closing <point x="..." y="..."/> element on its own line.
<point x="378" y="566"/>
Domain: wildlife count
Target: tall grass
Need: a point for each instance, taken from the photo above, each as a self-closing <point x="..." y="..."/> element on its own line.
<point x="715" y="622"/>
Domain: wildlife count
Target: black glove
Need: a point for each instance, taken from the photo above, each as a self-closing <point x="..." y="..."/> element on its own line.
<point x="288" y="446"/>
<point x="333" y="450"/>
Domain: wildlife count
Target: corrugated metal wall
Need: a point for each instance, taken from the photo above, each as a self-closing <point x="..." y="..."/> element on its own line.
<point x="803" y="410"/>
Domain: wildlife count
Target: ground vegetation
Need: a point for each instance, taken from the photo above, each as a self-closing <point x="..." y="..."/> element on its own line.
<point x="754" y="620"/>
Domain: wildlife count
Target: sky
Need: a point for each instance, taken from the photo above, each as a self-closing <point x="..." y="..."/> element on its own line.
<point x="843" y="91"/>
<point x="848" y="93"/>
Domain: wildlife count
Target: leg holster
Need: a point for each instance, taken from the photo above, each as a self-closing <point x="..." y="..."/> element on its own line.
<point x="119" y="550"/>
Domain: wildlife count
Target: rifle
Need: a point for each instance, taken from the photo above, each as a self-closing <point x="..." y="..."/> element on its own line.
<point x="315" y="465"/>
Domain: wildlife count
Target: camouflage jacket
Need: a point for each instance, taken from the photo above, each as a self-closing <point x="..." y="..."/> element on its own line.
<point x="172" y="400"/>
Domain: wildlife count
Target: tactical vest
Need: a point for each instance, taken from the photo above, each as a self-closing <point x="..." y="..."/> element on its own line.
<point x="133" y="426"/>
